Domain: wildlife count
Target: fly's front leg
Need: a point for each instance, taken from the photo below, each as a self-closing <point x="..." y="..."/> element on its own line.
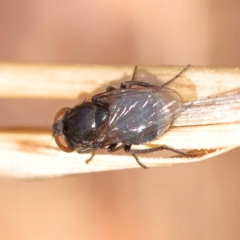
<point x="91" y="158"/>
<point x="86" y="151"/>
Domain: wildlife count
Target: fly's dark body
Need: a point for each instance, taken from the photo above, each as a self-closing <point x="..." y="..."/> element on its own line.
<point x="119" y="118"/>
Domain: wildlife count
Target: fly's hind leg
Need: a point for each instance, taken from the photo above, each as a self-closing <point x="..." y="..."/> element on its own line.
<point x="128" y="84"/>
<point x="110" y="88"/>
<point x="134" y="73"/>
<point x="160" y="148"/>
<point x="128" y="149"/>
<point x="178" y="75"/>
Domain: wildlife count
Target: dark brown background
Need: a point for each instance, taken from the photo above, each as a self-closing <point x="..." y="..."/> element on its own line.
<point x="191" y="201"/>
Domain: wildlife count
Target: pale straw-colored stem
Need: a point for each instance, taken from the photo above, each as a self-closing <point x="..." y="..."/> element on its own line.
<point x="209" y="124"/>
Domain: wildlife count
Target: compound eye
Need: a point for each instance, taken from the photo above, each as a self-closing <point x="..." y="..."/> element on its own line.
<point x="60" y="141"/>
<point x="61" y="113"/>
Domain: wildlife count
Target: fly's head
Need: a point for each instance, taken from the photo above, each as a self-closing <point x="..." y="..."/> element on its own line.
<point x="78" y="128"/>
<point x="58" y="130"/>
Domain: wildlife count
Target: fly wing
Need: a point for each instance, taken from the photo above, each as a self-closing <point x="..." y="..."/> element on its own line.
<point x="138" y="115"/>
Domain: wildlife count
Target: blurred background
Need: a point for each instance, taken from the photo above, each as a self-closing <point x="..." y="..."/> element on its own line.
<point x="190" y="201"/>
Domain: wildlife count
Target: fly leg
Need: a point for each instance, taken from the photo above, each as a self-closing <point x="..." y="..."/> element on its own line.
<point x="114" y="147"/>
<point x="178" y="75"/>
<point x="88" y="150"/>
<point x="110" y="88"/>
<point x="138" y="161"/>
<point x="134" y="73"/>
<point x="98" y="96"/>
<point x="128" y="84"/>
<point x="128" y="149"/>
<point x="91" y="158"/>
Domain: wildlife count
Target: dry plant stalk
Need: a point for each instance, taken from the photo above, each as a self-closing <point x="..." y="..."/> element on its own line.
<point x="209" y="123"/>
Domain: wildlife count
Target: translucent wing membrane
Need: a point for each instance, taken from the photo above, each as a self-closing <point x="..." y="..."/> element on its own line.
<point x="138" y="115"/>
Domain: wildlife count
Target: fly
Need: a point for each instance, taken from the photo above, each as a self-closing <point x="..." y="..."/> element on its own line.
<point x="120" y="118"/>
